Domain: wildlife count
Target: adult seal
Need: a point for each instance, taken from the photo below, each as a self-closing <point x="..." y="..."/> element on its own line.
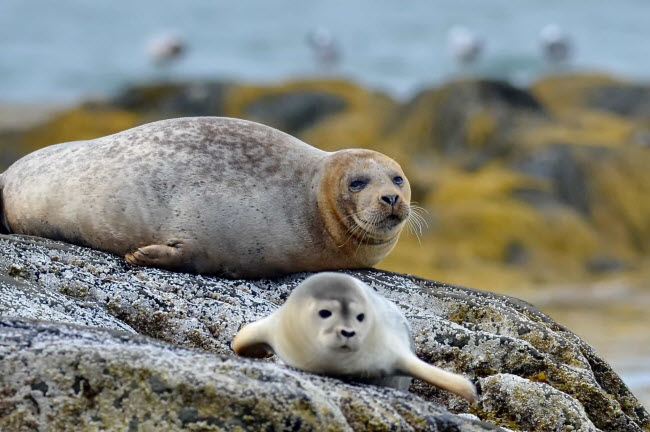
<point x="211" y="195"/>
<point x="334" y="324"/>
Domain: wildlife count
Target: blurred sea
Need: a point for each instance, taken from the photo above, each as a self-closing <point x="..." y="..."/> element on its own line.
<point x="62" y="50"/>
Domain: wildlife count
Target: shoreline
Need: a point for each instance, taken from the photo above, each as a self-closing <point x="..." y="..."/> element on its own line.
<point x="18" y="116"/>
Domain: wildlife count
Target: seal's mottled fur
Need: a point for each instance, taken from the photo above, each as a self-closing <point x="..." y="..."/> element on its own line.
<point x="209" y="195"/>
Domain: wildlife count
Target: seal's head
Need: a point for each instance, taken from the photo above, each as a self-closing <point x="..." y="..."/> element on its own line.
<point x="328" y="325"/>
<point x="324" y="326"/>
<point x="335" y="313"/>
<point x="364" y="199"/>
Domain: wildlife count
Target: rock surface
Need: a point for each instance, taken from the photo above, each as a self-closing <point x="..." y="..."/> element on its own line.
<point x="82" y="358"/>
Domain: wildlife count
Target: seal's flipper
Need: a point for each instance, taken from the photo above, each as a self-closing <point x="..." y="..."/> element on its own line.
<point x="252" y="340"/>
<point x="457" y="384"/>
<point x="173" y="255"/>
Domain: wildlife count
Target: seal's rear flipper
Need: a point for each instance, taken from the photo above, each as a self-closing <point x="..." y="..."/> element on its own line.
<point x="175" y="254"/>
<point x="457" y="384"/>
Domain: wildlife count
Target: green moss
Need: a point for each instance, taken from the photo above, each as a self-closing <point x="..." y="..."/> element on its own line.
<point x="538" y="377"/>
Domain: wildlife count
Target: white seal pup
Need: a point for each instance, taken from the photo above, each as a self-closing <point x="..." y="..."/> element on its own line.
<point x="334" y="324"/>
<point x="211" y="195"/>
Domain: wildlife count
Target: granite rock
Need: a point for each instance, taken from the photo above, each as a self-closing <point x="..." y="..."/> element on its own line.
<point x="82" y="355"/>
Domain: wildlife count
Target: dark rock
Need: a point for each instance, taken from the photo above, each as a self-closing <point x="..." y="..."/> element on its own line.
<point x="516" y="253"/>
<point x="558" y="164"/>
<point x="623" y="99"/>
<point x="533" y="374"/>
<point x="538" y="197"/>
<point x="294" y="111"/>
<point x="605" y="264"/>
<point x="505" y="94"/>
<point x="471" y="118"/>
<point x="174" y="99"/>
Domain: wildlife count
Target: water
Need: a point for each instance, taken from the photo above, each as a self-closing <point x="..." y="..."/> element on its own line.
<point x="66" y="49"/>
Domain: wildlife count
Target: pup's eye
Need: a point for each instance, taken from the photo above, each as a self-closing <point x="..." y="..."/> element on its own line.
<point x="360" y="317"/>
<point x="324" y="313"/>
<point x="357" y="185"/>
<point x="398" y="180"/>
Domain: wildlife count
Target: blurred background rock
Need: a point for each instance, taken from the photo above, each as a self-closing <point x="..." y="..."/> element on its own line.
<point x="527" y="140"/>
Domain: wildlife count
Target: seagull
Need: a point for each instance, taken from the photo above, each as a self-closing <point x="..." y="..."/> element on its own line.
<point x="165" y="49"/>
<point x="555" y="44"/>
<point x="325" y="49"/>
<point x="464" y="45"/>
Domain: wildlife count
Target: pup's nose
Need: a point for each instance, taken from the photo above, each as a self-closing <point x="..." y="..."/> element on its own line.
<point x="347" y="334"/>
<point x="391" y="200"/>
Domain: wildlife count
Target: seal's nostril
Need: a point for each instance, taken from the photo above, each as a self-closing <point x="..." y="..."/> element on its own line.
<point x="390" y="199"/>
<point x="347" y="334"/>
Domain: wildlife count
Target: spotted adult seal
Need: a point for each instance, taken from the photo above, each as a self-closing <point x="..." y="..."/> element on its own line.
<point x="334" y="324"/>
<point x="211" y="195"/>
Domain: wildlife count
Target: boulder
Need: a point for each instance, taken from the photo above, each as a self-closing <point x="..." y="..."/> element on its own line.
<point x="61" y="376"/>
<point x="165" y="100"/>
<point x="295" y="111"/>
<point x="475" y="118"/>
<point x="69" y="352"/>
<point x="627" y="100"/>
<point x="595" y="92"/>
<point x="558" y="164"/>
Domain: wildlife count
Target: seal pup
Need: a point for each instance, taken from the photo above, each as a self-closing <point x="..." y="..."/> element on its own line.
<point x="211" y="195"/>
<point x="334" y="324"/>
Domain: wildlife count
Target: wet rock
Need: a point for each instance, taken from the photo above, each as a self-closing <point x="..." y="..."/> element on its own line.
<point x="294" y="111"/>
<point x="517" y="355"/>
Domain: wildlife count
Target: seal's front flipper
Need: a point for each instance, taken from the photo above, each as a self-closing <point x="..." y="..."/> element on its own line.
<point x="173" y="255"/>
<point x="253" y="340"/>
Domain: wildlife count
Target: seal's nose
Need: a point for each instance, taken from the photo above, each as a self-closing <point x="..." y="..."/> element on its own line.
<point x="347" y="334"/>
<point x="391" y="200"/>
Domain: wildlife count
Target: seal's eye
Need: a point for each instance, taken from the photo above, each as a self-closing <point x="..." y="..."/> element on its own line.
<point x="360" y="317"/>
<point x="357" y="185"/>
<point x="398" y="180"/>
<point x="324" y="313"/>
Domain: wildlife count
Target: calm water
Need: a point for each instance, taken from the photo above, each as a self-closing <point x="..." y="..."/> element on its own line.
<point x="61" y="50"/>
